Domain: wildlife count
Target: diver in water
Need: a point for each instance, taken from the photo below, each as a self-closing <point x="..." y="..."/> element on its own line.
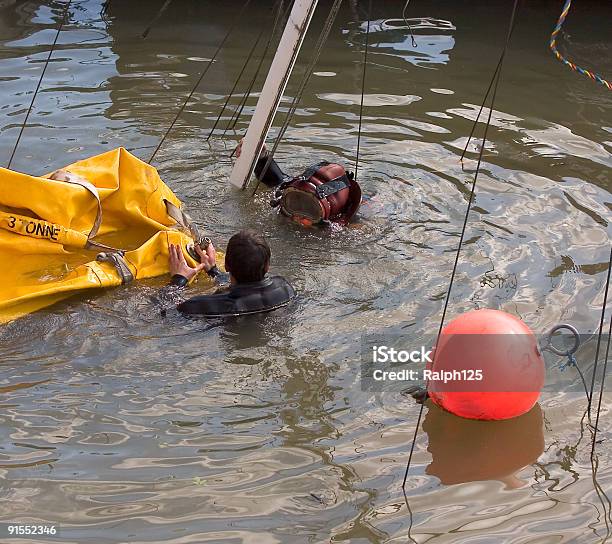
<point x="245" y="289"/>
<point x="325" y="193"/>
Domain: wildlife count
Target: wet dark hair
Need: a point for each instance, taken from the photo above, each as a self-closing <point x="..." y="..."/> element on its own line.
<point x="247" y="257"/>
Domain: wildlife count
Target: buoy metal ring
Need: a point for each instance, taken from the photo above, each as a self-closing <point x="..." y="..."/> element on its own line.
<point x="563" y="326"/>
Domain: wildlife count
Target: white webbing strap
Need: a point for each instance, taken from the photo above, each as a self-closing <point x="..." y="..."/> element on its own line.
<point x="69" y="177"/>
<point x="183" y="220"/>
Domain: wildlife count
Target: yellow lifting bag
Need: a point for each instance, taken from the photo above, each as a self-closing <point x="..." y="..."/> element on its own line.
<point x="99" y="222"/>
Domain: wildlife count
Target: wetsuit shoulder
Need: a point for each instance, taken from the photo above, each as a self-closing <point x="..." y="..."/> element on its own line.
<point x="242" y="299"/>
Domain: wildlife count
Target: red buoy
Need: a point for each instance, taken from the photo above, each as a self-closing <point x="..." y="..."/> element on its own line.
<point x="486" y="365"/>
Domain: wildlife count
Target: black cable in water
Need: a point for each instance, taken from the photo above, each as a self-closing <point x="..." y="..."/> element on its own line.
<point x="327" y="26"/>
<point x="193" y="90"/>
<point x="411" y="522"/>
<point x="603" y="497"/>
<point x="484" y="100"/>
<point x="414" y="44"/>
<point x="480" y="154"/>
<point x="231" y="93"/>
<point x="467" y="212"/>
<point x="156" y="18"/>
<point x="599" y="490"/>
<point x="605" y="363"/>
<point x="493" y="79"/>
<point x="280" y="16"/>
<point x="363" y="79"/>
<point x="236" y="115"/>
<point x="40" y="79"/>
<point x="414" y="438"/>
<point x="601" y="324"/>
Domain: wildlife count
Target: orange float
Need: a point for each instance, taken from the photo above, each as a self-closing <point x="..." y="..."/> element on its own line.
<point x="486" y="365"/>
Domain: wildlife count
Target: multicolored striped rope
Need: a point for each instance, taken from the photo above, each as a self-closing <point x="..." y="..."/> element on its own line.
<point x="553" y="48"/>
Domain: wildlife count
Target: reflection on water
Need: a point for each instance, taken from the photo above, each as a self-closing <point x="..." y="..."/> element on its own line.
<point x="369" y="99"/>
<point x="468" y="451"/>
<point x="395" y="39"/>
<point x="125" y="424"/>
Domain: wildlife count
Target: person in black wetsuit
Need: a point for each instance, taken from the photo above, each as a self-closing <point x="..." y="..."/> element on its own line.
<point x="325" y="193"/>
<point x="245" y="289"/>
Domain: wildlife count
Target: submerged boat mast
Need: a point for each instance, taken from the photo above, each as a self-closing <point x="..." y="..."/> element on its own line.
<point x="273" y="89"/>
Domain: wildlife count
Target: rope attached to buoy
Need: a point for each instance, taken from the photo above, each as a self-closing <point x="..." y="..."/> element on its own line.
<point x="494" y="84"/>
<point x="568" y="353"/>
<point x="553" y="47"/>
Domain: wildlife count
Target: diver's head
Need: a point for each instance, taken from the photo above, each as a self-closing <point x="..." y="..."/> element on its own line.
<point x="325" y="193"/>
<point x="247" y="257"/>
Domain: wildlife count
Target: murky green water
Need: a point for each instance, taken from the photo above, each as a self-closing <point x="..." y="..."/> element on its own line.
<point x="123" y="425"/>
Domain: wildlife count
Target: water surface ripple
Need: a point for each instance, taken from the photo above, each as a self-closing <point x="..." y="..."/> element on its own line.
<point x="124" y="425"/>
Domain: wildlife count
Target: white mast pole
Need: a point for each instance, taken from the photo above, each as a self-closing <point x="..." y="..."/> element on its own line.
<point x="273" y="90"/>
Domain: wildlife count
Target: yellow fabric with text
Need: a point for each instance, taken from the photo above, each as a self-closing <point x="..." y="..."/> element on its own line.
<point x="44" y="227"/>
